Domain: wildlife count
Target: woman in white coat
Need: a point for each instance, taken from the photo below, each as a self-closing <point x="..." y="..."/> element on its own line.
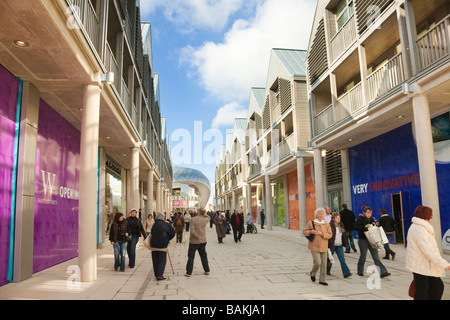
<point x="423" y="258"/>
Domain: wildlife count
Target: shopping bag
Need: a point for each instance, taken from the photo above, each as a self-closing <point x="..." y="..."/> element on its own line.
<point x="373" y="235"/>
<point x="330" y="256"/>
<point x="147" y="242"/>
<point x="383" y="235"/>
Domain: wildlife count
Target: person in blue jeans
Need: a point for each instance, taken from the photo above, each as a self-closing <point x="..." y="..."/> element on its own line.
<point x="363" y="223"/>
<point x="118" y="236"/>
<point x="135" y="229"/>
<point x="337" y="243"/>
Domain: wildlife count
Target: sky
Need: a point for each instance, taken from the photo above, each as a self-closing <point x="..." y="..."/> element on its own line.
<point x="209" y="54"/>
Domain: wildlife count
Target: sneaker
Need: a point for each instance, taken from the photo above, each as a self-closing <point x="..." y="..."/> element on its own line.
<point x="313" y="278"/>
<point x="187" y="275"/>
<point x="384" y="275"/>
<point x="348" y="275"/>
<point x="206" y="273"/>
<point x="323" y="283"/>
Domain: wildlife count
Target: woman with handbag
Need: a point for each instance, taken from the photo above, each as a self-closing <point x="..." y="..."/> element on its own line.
<point x="364" y="222"/>
<point x="318" y="244"/>
<point x="118" y="236"/>
<point x="423" y="258"/>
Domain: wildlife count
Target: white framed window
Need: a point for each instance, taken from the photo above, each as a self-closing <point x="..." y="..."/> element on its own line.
<point x="344" y="10"/>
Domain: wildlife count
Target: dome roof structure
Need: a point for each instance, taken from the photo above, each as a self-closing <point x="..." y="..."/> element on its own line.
<point x="194" y="179"/>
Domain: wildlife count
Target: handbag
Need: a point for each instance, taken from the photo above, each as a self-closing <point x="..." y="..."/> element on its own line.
<point x="311" y="236"/>
<point x="147" y="242"/>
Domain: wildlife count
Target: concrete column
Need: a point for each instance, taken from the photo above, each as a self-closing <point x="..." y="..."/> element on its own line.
<point x="26" y="178"/>
<point x="427" y="164"/>
<point x="134" y="179"/>
<point x="150" y="208"/>
<point x="268" y="201"/>
<point x="318" y="177"/>
<point x="249" y="198"/>
<point x="233" y="200"/>
<point x="346" y="179"/>
<point x="158" y="197"/>
<point x="87" y="234"/>
<point x="301" y="192"/>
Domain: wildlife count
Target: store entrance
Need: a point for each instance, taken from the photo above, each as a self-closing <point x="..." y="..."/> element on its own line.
<point x="397" y="214"/>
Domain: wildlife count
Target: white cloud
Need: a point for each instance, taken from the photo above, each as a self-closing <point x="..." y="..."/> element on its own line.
<point x="229" y="69"/>
<point x="226" y="114"/>
<point x="195" y="14"/>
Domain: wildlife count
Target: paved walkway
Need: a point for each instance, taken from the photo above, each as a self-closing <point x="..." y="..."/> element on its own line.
<point x="271" y="265"/>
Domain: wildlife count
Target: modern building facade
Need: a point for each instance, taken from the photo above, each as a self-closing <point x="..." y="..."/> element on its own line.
<point x="378" y="87"/>
<point x="81" y="130"/>
<point x="191" y="189"/>
<point x="266" y="162"/>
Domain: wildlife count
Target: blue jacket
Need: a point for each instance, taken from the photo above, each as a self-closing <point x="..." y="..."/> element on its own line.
<point x="162" y="233"/>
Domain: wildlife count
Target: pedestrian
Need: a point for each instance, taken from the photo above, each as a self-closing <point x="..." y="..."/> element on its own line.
<point x="263" y="217"/>
<point x="249" y="223"/>
<point x="362" y="224"/>
<point x="187" y="220"/>
<point x="319" y="246"/>
<point x="388" y="225"/>
<point x="178" y="223"/>
<point x="148" y="225"/>
<point x="423" y="257"/>
<point x="136" y="229"/>
<point x="337" y="243"/>
<point x="348" y="219"/>
<point x="227" y="224"/>
<point x="118" y="236"/>
<point x="197" y="241"/>
<point x="237" y="223"/>
<point x="162" y="232"/>
<point x="219" y="222"/>
<point x="327" y="217"/>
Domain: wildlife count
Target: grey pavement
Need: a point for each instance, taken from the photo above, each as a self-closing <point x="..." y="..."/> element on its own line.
<point x="270" y="265"/>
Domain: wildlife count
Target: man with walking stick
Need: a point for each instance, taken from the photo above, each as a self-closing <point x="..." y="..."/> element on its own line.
<point x="197" y="241"/>
<point x="162" y="233"/>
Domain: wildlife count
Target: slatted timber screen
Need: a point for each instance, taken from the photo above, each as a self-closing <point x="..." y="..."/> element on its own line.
<point x="368" y="10"/>
<point x="317" y="57"/>
<point x="285" y="94"/>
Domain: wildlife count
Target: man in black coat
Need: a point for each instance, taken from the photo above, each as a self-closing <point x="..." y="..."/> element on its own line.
<point x="348" y="219"/>
<point x="237" y="223"/>
<point x="162" y="233"/>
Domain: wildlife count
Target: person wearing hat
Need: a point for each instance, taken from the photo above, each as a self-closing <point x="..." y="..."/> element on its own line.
<point x="162" y="233"/>
<point x="136" y="229"/>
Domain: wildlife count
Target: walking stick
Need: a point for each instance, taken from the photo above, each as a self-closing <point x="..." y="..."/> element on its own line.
<point x="170" y="260"/>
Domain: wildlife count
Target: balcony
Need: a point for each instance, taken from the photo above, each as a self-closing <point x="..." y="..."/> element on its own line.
<point x="88" y="20"/>
<point x="387" y="77"/>
<point x="434" y="45"/>
<point x="343" y="38"/>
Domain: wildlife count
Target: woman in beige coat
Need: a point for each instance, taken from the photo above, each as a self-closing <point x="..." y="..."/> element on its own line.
<point x="319" y="246"/>
<point x="423" y="258"/>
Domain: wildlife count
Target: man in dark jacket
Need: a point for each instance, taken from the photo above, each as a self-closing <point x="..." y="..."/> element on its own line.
<point x="136" y="229"/>
<point x="348" y="219"/>
<point x="237" y="223"/>
<point x="388" y="225"/>
<point x="162" y="233"/>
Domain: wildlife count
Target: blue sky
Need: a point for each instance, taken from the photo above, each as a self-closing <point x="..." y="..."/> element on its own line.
<point x="208" y="55"/>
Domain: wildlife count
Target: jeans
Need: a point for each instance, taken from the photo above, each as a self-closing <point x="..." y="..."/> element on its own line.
<point x="428" y="288"/>
<point x="120" y="248"/>
<point x="340" y="253"/>
<point x="131" y="250"/>
<point x="364" y="245"/>
<point x="191" y="255"/>
<point x="350" y="241"/>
